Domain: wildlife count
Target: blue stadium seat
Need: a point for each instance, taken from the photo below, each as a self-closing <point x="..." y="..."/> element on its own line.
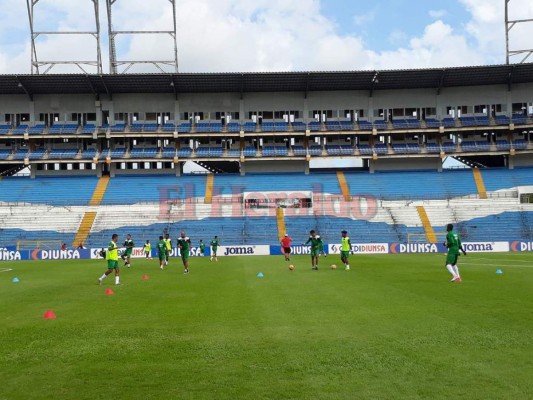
<point x="20" y="130"/>
<point x="184" y="152"/>
<point x="520" y="144"/>
<point x="5" y="154"/>
<point x="37" y="154"/>
<point x="233" y="127"/>
<point x="469" y="146"/>
<point x="299" y="151"/>
<point x="313" y="126"/>
<point x="346" y="125"/>
<point x="503" y="145"/>
<point x="88" y="154"/>
<point x="448" y="122"/>
<point x="333" y="125"/>
<point x="519" y="119"/>
<point x="299" y="126"/>
<point x="502" y="120"/>
<point x="365" y="149"/>
<point x="21" y="154"/>
<point x="184" y="128"/>
<point x="365" y="125"/>
<point x="400" y="148"/>
<point x="4" y="129"/>
<point x="381" y="125"/>
<point x="118" y="127"/>
<point x="88" y="129"/>
<point x="315" y="150"/>
<point x="449" y="147"/>
<point x="37" y="129"/>
<point x="233" y="153"/>
<point x="151" y="127"/>
<point x="249" y="126"/>
<point x="381" y="148"/>
<point x="169" y="127"/>
<point x="62" y="154"/>
<point x="169" y="152"/>
<point x="432" y="123"/>
<point x="250" y="151"/>
<point x="468" y="121"/>
<point x="432" y="148"/>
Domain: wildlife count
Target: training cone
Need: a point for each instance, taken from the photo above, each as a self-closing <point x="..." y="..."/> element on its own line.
<point x="145" y="277"/>
<point x="260" y="275"/>
<point x="49" y="314"/>
<point x="15" y="280"/>
<point x="109" y="291"/>
<point x="499" y="271"/>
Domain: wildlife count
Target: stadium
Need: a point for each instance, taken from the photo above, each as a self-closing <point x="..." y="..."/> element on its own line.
<point x="250" y="158"/>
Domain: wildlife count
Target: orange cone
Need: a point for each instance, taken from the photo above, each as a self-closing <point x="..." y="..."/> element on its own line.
<point x="109" y="291"/>
<point x="49" y="314"/>
<point x="145" y="276"/>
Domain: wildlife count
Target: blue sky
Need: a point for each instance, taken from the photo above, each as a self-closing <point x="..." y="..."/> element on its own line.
<point x="386" y="24"/>
<point x="276" y="35"/>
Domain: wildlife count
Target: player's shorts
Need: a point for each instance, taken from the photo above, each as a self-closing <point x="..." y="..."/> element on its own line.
<point x="112" y="264"/>
<point x="451" y="258"/>
<point x="128" y="253"/>
<point x="287" y="250"/>
<point x="185" y="256"/>
<point x="147" y="253"/>
<point x="315" y="252"/>
<point x="162" y="256"/>
<point x="215" y="250"/>
<point x="345" y="254"/>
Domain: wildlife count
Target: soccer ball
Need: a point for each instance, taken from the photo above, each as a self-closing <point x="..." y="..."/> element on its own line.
<point x="291" y="267"/>
<point x="333" y="266"/>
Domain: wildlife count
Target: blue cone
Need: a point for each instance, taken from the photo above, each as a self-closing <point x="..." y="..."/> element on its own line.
<point x="260" y="275"/>
<point x="16" y="280"/>
<point x="499" y="271"/>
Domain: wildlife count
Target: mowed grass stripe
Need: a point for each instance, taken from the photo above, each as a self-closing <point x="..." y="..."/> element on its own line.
<point x="393" y="327"/>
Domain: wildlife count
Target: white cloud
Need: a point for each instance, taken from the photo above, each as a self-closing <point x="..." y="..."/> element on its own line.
<point x="259" y="35"/>
<point x="438" y="14"/>
<point x="363" y="19"/>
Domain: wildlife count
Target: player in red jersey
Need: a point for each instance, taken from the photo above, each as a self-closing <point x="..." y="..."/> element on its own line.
<point x="286" y="247"/>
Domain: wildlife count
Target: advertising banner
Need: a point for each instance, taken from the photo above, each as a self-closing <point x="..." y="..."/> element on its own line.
<point x="362" y="248"/>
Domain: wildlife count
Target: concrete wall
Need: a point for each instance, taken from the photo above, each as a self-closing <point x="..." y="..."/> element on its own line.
<point x="269" y="101"/>
<point x="521" y="160"/>
<point x="404" y="164"/>
<point x="277" y="166"/>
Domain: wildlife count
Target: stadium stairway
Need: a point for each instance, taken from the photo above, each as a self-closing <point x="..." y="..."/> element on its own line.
<point x="479" y="183"/>
<point x="88" y="219"/>
<point x="345" y="189"/>
<point x="430" y="233"/>
<point x="280" y="217"/>
<point x="209" y="183"/>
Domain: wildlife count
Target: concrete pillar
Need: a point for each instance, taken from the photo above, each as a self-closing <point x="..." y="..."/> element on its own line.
<point x="242" y="169"/>
<point x="178" y="168"/>
<point x="242" y="117"/>
<point x="176" y="110"/>
<point x="307" y="167"/>
<point x="32" y="113"/>
<point x="511" y="162"/>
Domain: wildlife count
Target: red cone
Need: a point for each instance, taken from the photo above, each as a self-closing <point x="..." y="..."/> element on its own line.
<point x="109" y="291"/>
<point x="49" y="314"/>
<point x="145" y="276"/>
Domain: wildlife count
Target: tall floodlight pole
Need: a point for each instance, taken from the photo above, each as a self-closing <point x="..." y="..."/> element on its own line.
<point x="36" y="64"/>
<point x="115" y="64"/>
<point x="510" y="24"/>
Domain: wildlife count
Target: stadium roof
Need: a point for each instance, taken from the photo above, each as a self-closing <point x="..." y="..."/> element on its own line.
<point x="266" y="81"/>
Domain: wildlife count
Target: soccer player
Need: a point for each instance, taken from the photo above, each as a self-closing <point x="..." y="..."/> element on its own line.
<point x="202" y="248"/>
<point x="126" y="256"/>
<point x="168" y="243"/>
<point x="286" y="247"/>
<point x="161" y="247"/>
<point x="453" y="243"/>
<point x="184" y="244"/>
<point x="112" y="260"/>
<point x="346" y="249"/>
<point x="214" y="248"/>
<point x="147" y="248"/>
<point x="316" y="243"/>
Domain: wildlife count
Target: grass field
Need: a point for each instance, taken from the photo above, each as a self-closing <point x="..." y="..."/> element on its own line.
<point x="392" y="328"/>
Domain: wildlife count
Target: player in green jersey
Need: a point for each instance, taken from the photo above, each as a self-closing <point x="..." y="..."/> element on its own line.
<point x="147" y="248"/>
<point x="316" y="244"/>
<point x="346" y="249"/>
<point x="161" y="247"/>
<point x="184" y="244"/>
<point x="454" y="245"/>
<point x="126" y="256"/>
<point x="168" y="244"/>
<point x="112" y="260"/>
<point x="214" y="247"/>
<point x="202" y="248"/>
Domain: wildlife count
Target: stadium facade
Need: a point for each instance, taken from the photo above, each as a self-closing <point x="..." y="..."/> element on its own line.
<point x="252" y="122"/>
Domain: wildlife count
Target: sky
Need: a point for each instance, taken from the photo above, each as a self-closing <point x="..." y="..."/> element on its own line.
<point x="272" y="35"/>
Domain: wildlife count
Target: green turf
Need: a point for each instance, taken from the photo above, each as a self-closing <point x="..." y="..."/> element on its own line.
<point x="394" y="327"/>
